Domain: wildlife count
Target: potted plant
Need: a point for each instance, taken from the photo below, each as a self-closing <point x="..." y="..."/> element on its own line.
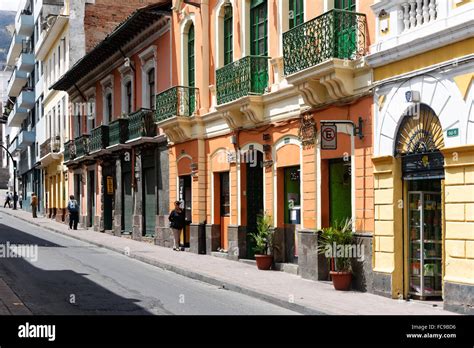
<point x="334" y="243"/>
<point x="263" y="238"/>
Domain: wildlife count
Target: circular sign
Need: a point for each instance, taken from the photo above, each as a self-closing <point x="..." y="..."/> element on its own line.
<point x="329" y="134"/>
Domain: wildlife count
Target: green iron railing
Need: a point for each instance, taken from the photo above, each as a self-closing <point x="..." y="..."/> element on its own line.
<point x="335" y="34"/>
<point x="141" y="124"/>
<point x="99" y="138"/>
<point x="69" y="150"/>
<point x="118" y="131"/>
<point x="176" y="101"/>
<point x="82" y="145"/>
<point x="241" y="78"/>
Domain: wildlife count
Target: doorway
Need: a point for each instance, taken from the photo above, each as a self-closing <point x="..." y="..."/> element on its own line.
<point x="224" y="208"/>
<point x="292" y="210"/>
<point x="424" y="223"/>
<point x="254" y="195"/>
<point x="185" y="196"/>
<point x="91" y="198"/>
<point x="340" y="199"/>
<point x="127" y="198"/>
<point x="149" y="194"/>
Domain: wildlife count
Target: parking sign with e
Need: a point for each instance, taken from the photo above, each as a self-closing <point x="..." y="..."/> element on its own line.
<point x="329" y="137"/>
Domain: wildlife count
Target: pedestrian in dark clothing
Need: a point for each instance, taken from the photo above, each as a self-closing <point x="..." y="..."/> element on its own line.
<point x="177" y="222"/>
<point x="15" y="200"/>
<point x="73" y="209"/>
<point x="7" y="200"/>
<point x="20" y="200"/>
<point x="34" y="204"/>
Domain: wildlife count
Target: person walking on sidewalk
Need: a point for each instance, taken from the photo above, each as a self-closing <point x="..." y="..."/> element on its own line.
<point x="15" y="199"/>
<point x="73" y="209"/>
<point x="177" y="222"/>
<point x="34" y="204"/>
<point x="20" y="200"/>
<point x="7" y="200"/>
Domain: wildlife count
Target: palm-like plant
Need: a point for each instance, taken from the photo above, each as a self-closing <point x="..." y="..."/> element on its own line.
<point x="264" y="236"/>
<point x="338" y="235"/>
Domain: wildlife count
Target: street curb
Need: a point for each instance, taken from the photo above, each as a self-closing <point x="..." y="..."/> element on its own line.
<point x="189" y="274"/>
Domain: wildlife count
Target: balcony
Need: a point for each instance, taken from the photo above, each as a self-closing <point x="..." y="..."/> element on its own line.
<point x="16" y="46"/>
<point x="69" y="151"/>
<point x="406" y="28"/>
<point x="118" y="132"/>
<point x="17" y="81"/>
<point x="82" y="145"/>
<point x="26" y="62"/>
<point x="26" y="99"/>
<point x="322" y="55"/>
<point x="24" y="24"/>
<point x="176" y="101"/>
<point x="25" y="139"/>
<point x="141" y="124"/>
<point x="245" y="77"/>
<point x="13" y="147"/>
<point x="50" y="150"/>
<point x="17" y="116"/>
<point x="99" y="139"/>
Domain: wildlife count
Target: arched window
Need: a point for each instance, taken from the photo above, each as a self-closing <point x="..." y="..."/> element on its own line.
<point x="108" y="107"/>
<point x="128" y="97"/>
<point x="296" y="13"/>
<point x="151" y="88"/>
<point x="191" y="56"/>
<point x="258" y="28"/>
<point x="228" y="35"/>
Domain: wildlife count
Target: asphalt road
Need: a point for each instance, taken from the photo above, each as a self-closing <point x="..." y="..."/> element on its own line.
<point x="73" y="277"/>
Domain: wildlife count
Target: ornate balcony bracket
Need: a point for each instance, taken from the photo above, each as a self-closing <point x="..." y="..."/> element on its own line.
<point x="244" y="112"/>
<point x="329" y="81"/>
<point x="178" y="129"/>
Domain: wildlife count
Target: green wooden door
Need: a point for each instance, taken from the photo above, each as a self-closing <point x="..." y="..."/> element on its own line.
<point x="108" y="201"/>
<point x="191" y="68"/>
<point x="345" y="29"/>
<point x="254" y="199"/>
<point x="259" y="44"/>
<point x="127" y="202"/>
<point x="149" y="200"/>
<point x="296" y="13"/>
<point x="339" y="191"/>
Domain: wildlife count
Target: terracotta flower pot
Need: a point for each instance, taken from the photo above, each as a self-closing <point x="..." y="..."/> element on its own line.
<point x="341" y="280"/>
<point x="264" y="262"/>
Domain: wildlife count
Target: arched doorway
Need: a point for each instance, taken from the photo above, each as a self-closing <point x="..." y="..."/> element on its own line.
<point x="418" y="144"/>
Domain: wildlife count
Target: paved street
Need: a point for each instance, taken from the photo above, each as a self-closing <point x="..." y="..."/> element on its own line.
<point x="73" y="277"/>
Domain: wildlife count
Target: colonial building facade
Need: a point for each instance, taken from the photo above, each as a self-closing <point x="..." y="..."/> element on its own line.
<point x="117" y="159"/>
<point x="423" y="61"/>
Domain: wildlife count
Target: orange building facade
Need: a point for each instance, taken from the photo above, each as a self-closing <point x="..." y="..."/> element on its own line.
<point x="255" y="81"/>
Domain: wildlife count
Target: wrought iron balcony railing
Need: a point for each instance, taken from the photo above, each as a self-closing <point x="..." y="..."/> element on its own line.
<point x="335" y="34"/>
<point x="82" y="145"/>
<point x="247" y="76"/>
<point x="118" y="131"/>
<point x="69" y="150"/>
<point x="141" y="123"/>
<point x="99" y="138"/>
<point x="176" y="101"/>
<point x="52" y="145"/>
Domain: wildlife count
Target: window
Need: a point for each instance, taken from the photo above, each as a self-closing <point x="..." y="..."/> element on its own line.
<point x="151" y="87"/>
<point x="258" y="28"/>
<point x="128" y="97"/>
<point x="54" y="68"/>
<point x="57" y="131"/>
<point x="91" y="112"/>
<point x="108" y="107"/>
<point x="296" y="13"/>
<point x="228" y="35"/>
<point x="191" y="67"/>
<point x="59" y="58"/>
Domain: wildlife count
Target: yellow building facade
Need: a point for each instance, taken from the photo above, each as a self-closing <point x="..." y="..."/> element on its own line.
<point x="423" y="159"/>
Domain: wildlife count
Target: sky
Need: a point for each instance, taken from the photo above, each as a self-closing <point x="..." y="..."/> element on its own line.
<point x="9" y="5"/>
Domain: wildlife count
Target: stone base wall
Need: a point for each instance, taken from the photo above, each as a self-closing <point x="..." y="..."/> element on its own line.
<point x="237" y="237"/>
<point x="213" y="238"/>
<point x="459" y="298"/>
<point x="197" y="238"/>
<point x="311" y="264"/>
<point x="362" y="277"/>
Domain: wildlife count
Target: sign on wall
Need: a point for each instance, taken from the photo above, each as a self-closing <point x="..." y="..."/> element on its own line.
<point x="110" y="185"/>
<point x="328" y="137"/>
